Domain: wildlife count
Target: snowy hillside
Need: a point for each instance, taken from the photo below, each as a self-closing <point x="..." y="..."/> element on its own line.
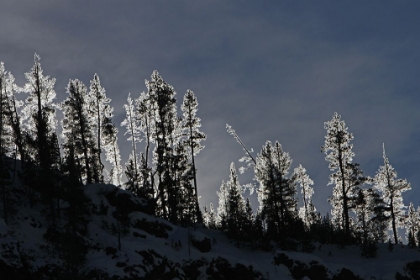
<point x="152" y="248"/>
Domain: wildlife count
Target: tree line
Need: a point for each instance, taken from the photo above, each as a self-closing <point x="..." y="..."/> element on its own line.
<point x="164" y="172"/>
<point x="365" y="210"/>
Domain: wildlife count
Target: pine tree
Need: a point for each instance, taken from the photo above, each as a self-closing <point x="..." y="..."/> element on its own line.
<point x="98" y="109"/>
<point x="6" y="132"/>
<point x="191" y="124"/>
<point x="412" y="225"/>
<point x="109" y="143"/>
<point x="133" y="130"/>
<point x="338" y="150"/>
<point x="277" y="192"/>
<point x="11" y="120"/>
<point x="163" y="102"/>
<point x="307" y="212"/>
<point x="236" y="204"/>
<point x="144" y="116"/>
<point x="223" y="208"/>
<point x="40" y="115"/>
<point x="391" y="188"/>
<point x="78" y="132"/>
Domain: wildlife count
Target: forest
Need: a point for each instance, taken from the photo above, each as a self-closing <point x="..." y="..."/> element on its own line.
<point x="58" y="158"/>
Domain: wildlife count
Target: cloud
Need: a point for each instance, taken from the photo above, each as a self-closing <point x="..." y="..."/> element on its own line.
<point x="272" y="71"/>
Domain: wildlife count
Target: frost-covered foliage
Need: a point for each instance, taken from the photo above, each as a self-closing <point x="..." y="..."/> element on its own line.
<point x="231" y="213"/>
<point x="339" y="154"/>
<point x="307" y="211"/>
<point x="236" y="203"/>
<point x="222" y="208"/>
<point x="412" y="225"/>
<point x="109" y="143"/>
<point x="78" y="133"/>
<point x="190" y="125"/>
<point x="134" y="132"/>
<point x="391" y="188"/>
<point x="40" y="102"/>
<point x="7" y="91"/>
<point x="99" y="110"/>
<point x="276" y="194"/>
<point x="248" y="159"/>
<point x="39" y="113"/>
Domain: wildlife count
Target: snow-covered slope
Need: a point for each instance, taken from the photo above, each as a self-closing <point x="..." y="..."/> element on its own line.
<point x="152" y="248"/>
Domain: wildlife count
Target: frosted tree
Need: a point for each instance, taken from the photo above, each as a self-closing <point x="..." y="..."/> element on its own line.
<point x="6" y="140"/>
<point x="209" y="217"/>
<point x="109" y="141"/>
<point x="412" y="225"/>
<point x="276" y="194"/>
<point x="43" y="151"/>
<point x="144" y="117"/>
<point x="6" y="131"/>
<point x="223" y="208"/>
<point x="236" y="203"/>
<point x="391" y="188"/>
<point x="248" y="159"/>
<point x="364" y="205"/>
<point x="338" y="151"/>
<point x="133" y="130"/>
<point x="191" y="124"/>
<point x="307" y="212"/>
<point x="10" y="114"/>
<point x="78" y="132"/>
<point x="162" y="100"/>
<point x="40" y="113"/>
<point x="98" y="103"/>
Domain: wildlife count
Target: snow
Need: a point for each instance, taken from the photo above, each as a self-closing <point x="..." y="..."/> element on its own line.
<point x="29" y="227"/>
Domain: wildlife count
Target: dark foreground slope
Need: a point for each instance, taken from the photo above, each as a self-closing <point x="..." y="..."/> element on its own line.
<point x="152" y="248"/>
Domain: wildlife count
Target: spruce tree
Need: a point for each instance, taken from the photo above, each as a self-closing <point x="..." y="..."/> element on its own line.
<point x="223" y="208"/>
<point x="277" y="192"/>
<point x="133" y="130"/>
<point x="236" y="204"/>
<point x="98" y="108"/>
<point x="109" y="143"/>
<point x="78" y="132"/>
<point x="163" y="102"/>
<point x="412" y="226"/>
<point x="191" y="124"/>
<point x="391" y="188"/>
<point x="338" y="151"/>
<point x="144" y="116"/>
<point x="40" y="115"/>
<point x="307" y="212"/>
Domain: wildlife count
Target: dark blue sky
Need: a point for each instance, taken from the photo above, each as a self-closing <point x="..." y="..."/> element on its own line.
<point x="273" y="70"/>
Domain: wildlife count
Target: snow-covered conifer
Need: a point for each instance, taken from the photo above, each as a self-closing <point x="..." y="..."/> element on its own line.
<point x="223" y="208"/>
<point x="307" y="212"/>
<point x="97" y="108"/>
<point x="412" y="225"/>
<point x="7" y="89"/>
<point x="133" y="130"/>
<point x="191" y="124"/>
<point x="77" y="129"/>
<point x="161" y="99"/>
<point x="236" y="203"/>
<point x="40" y="113"/>
<point x="391" y="188"/>
<point x="338" y="150"/>
<point x="277" y="192"/>
<point x="109" y="141"/>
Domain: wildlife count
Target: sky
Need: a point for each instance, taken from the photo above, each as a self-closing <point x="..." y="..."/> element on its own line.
<point x="273" y="70"/>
